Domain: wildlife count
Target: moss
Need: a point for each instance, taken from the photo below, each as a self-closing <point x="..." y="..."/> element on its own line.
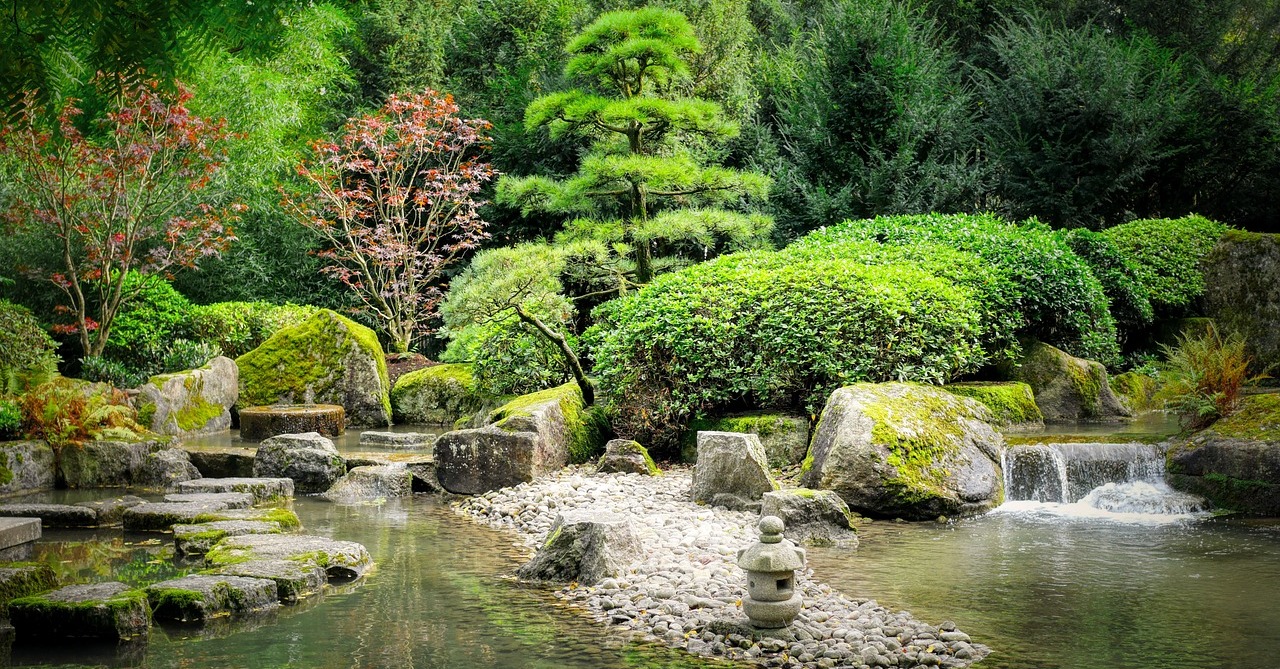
<point x="287" y="519"/>
<point x="1136" y="389"/>
<point x="146" y="413"/>
<point x="307" y="357"/>
<point x="586" y="429"/>
<point x="114" y="612"/>
<point x="1257" y="419"/>
<point x="438" y="395"/>
<point x="23" y="579"/>
<point x="1011" y="403"/>
<point x="221" y="556"/>
<point x="197" y="414"/>
<point x="176" y="603"/>
<point x="6" y="475"/>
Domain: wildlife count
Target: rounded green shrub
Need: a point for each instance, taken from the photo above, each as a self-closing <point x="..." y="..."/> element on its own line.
<point x="1165" y="255"/>
<point x="757" y="330"/>
<point x="27" y="356"/>
<point x="1056" y="293"/>
<point x="154" y="316"/>
<point x="239" y="327"/>
<point x="1130" y="303"/>
<point x="508" y="358"/>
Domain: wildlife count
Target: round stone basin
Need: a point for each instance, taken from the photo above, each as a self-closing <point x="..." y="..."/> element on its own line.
<point x="258" y="423"/>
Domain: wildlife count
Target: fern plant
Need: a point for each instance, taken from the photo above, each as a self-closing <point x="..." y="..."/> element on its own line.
<point x="1205" y="376"/>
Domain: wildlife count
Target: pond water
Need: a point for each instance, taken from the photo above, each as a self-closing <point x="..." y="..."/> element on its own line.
<point x="347" y="442"/>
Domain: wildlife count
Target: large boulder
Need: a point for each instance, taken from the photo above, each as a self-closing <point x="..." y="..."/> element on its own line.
<point x="1066" y="387"/>
<point x="471" y="462"/>
<point x="25" y="465"/>
<point x="785" y="437"/>
<point x="165" y="469"/>
<point x="437" y="395"/>
<point x="107" y="464"/>
<point x="906" y="450"/>
<point x="623" y="456"/>
<point x="568" y="430"/>
<point x="585" y="546"/>
<point x="326" y="359"/>
<point x="1242" y="291"/>
<point x="1236" y="462"/>
<point x="196" y="401"/>
<point x="731" y="466"/>
<point x="309" y="459"/>
<point x="372" y="482"/>
<point x="1012" y="404"/>
<point x="813" y="517"/>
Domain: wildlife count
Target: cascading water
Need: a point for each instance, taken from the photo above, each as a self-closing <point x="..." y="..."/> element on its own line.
<point x="1119" y="481"/>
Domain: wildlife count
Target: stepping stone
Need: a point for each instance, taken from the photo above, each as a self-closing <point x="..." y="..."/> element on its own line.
<point x="161" y="516"/>
<point x="286" y="519"/>
<point x="295" y="579"/>
<point x="198" y="597"/>
<point x="369" y="483"/>
<point x="111" y="511"/>
<point x="233" y="500"/>
<point x="53" y="515"/>
<point x="23" y="581"/>
<point x="340" y="559"/>
<point x="198" y="539"/>
<point x="421" y="465"/>
<point x="100" y="611"/>
<point x="263" y="489"/>
<point x="221" y="462"/>
<point x="18" y="531"/>
<point x="398" y="440"/>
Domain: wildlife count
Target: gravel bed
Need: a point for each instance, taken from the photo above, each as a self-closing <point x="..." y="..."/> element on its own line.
<point x="686" y="589"/>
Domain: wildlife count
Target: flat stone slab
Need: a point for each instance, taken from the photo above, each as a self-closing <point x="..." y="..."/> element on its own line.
<point x="198" y="597"/>
<point x="398" y="440"/>
<point x="161" y="516"/>
<point x="295" y="579"/>
<point x="221" y="461"/>
<point x="233" y="500"/>
<point x="18" y="531"/>
<point x="23" y="581"/>
<point x="109" y="611"/>
<point x="340" y="559"/>
<point x="111" y="511"/>
<point x="421" y="465"/>
<point x="263" y="489"/>
<point x="286" y="519"/>
<point x="53" y="515"/>
<point x="371" y="483"/>
<point x="198" y="539"/>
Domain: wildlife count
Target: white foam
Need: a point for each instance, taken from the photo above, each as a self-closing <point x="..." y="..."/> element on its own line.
<point x="1134" y="502"/>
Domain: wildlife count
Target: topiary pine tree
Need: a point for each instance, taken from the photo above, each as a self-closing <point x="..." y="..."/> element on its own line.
<point x="644" y="196"/>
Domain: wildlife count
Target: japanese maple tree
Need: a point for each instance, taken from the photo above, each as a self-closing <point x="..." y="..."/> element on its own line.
<point x="394" y="196"/>
<point x="137" y="197"/>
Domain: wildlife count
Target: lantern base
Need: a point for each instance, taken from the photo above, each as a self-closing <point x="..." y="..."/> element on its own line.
<point x="772" y="615"/>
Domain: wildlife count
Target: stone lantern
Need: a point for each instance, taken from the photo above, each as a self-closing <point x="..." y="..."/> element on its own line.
<point x="772" y="600"/>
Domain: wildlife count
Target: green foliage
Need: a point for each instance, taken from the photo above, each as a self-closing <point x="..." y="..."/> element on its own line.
<point x="66" y="412"/>
<point x="97" y="369"/>
<point x="1130" y="304"/>
<point x="184" y="354"/>
<point x="1165" y="255"/>
<point x="27" y="355"/>
<point x="1076" y="106"/>
<point x="236" y="328"/>
<point x="761" y="330"/>
<point x="1056" y="294"/>
<point x="153" y="316"/>
<point x="870" y="116"/>
<point x="508" y="358"/>
<point x="10" y="419"/>
<point x="1204" y="376"/>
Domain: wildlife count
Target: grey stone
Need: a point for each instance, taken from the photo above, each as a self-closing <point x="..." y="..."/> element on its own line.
<point x="222" y="462"/>
<point x="231" y="500"/>
<point x="161" y="516"/>
<point x="1236" y="462"/>
<point x="309" y="459"/>
<point x="730" y="463"/>
<point x="18" y="531"/>
<point x="584" y="546"/>
<point x="24" y="581"/>
<point x="196" y="401"/>
<point x="285" y="518"/>
<point x="470" y="462"/>
<point x="367" y="483"/>
<point x="53" y="515"/>
<point x="163" y="469"/>
<point x="437" y="395"/>
<point x="785" y="438"/>
<point x="813" y="517"/>
<point x="108" y="611"/>
<point x="198" y="539"/>
<point x="30" y="462"/>
<point x="398" y="440"/>
<point x="198" y="597"/>
<point x="263" y="489"/>
<point x="906" y="450"/>
<point x="546" y="419"/>
<point x="1066" y="387"/>
<point x="340" y="559"/>
<point x="294" y="580"/>
<point x="264" y="422"/>
<point x="1242" y="291"/>
<point x="111" y="511"/>
<point x="624" y="456"/>
<point x="106" y="464"/>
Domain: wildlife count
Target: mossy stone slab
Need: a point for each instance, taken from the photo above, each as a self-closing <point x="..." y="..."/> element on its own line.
<point x="232" y="500"/>
<point x="295" y="580"/>
<point x="339" y="559"/>
<point x="53" y="515"/>
<point x="162" y="516"/>
<point x="198" y="597"/>
<point x="199" y="538"/>
<point x="264" y="490"/>
<point x="23" y="580"/>
<point x="108" y="611"/>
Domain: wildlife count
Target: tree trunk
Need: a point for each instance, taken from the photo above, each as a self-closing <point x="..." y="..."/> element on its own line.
<point x="571" y="358"/>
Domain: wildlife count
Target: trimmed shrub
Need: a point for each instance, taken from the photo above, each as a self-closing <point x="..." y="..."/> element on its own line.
<point x="154" y="316"/>
<point x="508" y="358"/>
<point x="1057" y="296"/>
<point x="97" y="369"/>
<point x="239" y="327"/>
<point x="1130" y="305"/>
<point x="184" y="354"/>
<point x="759" y="330"/>
<point x="1165" y="255"/>
<point x="27" y="356"/>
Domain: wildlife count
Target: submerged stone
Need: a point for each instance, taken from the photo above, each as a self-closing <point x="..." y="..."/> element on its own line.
<point x="198" y="597"/>
<point x="585" y="547"/>
<point x="232" y="500"/>
<point x="309" y="459"/>
<point x="263" y="489"/>
<point x="339" y="559"/>
<point x="161" y="516"/>
<point x="111" y="511"/>
<point x="198" y="539"/>
<point x="53" y="515"/>
<point x="108" y="611"/>
<point x="294" y="579"/>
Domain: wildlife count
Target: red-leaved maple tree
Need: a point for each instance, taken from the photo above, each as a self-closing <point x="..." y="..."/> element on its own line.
<point x="135" y="198"/>
<point x="394" y="198"/>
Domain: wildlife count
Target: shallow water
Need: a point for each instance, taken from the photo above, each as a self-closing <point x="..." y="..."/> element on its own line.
<point x="347" y="442"/>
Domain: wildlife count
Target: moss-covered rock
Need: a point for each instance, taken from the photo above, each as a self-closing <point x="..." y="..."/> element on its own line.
<point x="568" y="430"/>
<point x="785" y="438"/>
<point x="107" y="464"/>
<point x="1242" y="291"/>
<point x="906" y="450"/>
<point x="1236" y="462"/>
<point x="1066" y="387"/>
<point x="20" y="579"/>
<point x="438" y="395"/>
<point x="328" y="359"/>
<point x="624" y="456"/>
<point x="309" y="459"/>
<point x="108" y="611"/>
<point x="25" y="465"/>
<point x="1012" y="404"/>
<point x="196" y="401"/>
<point x="340" y="559"/>
<point x="198" y="597"/>
<point x="1136" y="390"/>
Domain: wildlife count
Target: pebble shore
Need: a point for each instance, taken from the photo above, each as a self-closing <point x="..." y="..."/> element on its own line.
<point x="686" y="589"/>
